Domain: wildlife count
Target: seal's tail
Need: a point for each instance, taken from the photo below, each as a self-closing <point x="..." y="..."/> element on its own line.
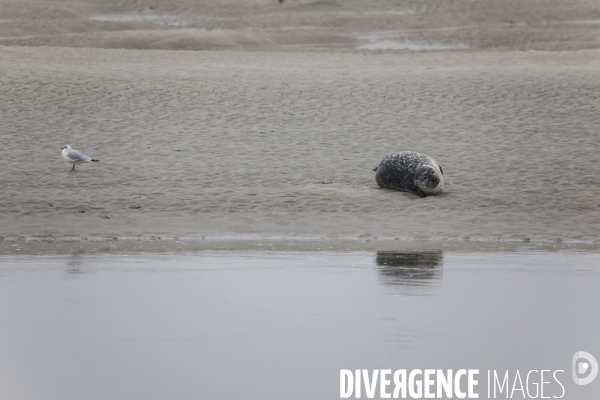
<point x="375" y="169"/>
<point x="95" y="160"/>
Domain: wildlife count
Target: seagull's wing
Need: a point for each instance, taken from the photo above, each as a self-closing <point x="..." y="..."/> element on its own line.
<point x="74" y="155"/>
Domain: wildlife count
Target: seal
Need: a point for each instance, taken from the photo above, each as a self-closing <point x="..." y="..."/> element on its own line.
<point x="412" y="172"/>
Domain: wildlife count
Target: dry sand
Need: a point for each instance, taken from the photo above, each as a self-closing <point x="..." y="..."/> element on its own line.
<point x="239" y="144"/>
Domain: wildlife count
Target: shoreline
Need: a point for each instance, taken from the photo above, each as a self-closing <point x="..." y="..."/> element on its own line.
<point x="83" y="246"/>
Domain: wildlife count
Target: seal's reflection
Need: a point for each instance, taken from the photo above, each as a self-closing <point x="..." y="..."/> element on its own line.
<point x="74" y="266"/>
<point x="412" y="273"/>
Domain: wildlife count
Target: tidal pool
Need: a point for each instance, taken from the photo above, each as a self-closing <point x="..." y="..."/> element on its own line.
<point x="281" y="325"/>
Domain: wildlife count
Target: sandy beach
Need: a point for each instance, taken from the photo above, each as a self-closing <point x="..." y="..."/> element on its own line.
<point x="206" y="143"/>
<point x="273" y="129"/>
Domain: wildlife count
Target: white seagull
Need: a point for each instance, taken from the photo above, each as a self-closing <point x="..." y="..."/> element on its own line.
<point x="74" y="157"/>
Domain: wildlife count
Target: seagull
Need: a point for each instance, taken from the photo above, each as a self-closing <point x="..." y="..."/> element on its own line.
<point x="74" y="157"/>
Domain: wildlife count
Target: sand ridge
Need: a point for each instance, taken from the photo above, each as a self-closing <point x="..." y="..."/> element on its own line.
<point x="197" y="143"/>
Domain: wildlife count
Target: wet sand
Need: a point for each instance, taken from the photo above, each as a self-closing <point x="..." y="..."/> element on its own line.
<point x="303" y="25"/>
<point x="208" y="144"/>
<point x="280" y="325"/>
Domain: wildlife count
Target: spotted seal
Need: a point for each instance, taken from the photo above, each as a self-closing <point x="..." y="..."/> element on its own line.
<point x="412" y="172"/>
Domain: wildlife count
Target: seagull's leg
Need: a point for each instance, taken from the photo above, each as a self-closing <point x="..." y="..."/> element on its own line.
<point x="72" y="169"/>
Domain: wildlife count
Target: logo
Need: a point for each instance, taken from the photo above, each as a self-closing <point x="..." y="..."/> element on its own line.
<point x="584" y="363"/>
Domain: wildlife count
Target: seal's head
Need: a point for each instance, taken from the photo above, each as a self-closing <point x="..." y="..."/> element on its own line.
<point x="429" y="178"/>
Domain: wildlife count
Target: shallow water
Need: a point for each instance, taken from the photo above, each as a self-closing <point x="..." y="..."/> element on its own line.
<point x="387" y="44"/>
<point x="170" y="20"/>
<point x="273" y="325"/>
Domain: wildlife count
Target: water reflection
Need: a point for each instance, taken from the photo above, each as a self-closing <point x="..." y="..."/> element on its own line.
<point x="411" y="273"/>
<point x="153" y="326"/>
<point x="74" y="265"/>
